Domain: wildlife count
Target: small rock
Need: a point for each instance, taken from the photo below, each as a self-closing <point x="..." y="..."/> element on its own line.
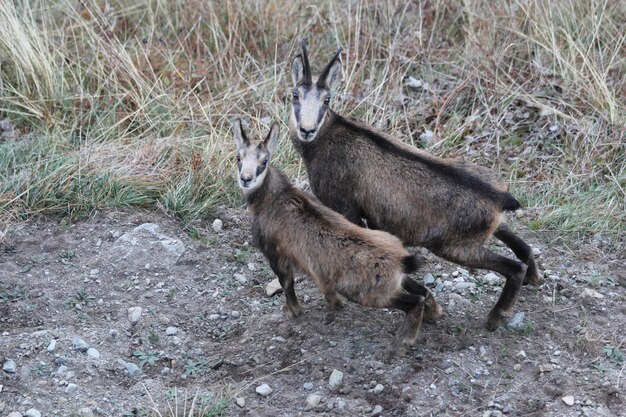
<point x="414" y="83"/>
<point x="214" y="317"/>
<point x="546" y="367"/>
<point x="536" y="251"/>
<point x="166" y="370"/>
<point x="171" y="331"/>
<point x="273" y="287"/>
<point x="308" y="386"/>
<point x="264" y="390"/>
<point x="93" y="353"/>
<point x="217" y="225"/>
<point x="131" y="368"/>
<point x="240" y="278"/>
<point x="71" y="388"/>
<point x="517" y="367"/>
<point x="9" y="366"/>
<point x="15" y="414"/>
<point x="378" y="389"/>
<point x="568" y="400"/>
<point x="521" y="354"/>
<point x="33" y="413"/>
<point x="516" y="322"/>
<point x="463" y="286"/>
<point x="52" y="345"/>
<point x="377" y="411"/>
<point x="335" y="379"/>
<point x="85" y="412"/>
<point x="482" y="351"/>
<point x="80" y="344"/>
<point x="341" y="404"/>
<point x="492" y="279"/>
<point x="449" y="370"/>
<point x="235" y="314"/>
<point x="429" y="279"/>
<point x="134" y="314"/>
<point x="588" y="292"/>
<point x="241" y="402"/>
<point x="312" y="401"/>
<point x="426" y="138"/>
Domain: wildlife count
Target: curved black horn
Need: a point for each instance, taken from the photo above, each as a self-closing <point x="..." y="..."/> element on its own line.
<point x="307" y="68"/>
<point x="322" y="79"/>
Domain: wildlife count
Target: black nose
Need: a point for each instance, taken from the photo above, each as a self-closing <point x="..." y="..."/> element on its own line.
<point x="245" y="180"/>
<point x="306" y="133"/>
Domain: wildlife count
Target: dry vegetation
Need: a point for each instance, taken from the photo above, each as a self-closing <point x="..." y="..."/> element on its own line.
<point x="129" y="103"/>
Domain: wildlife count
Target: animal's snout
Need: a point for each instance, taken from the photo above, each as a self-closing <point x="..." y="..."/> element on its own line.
<point x="306" y="133"/>
<point x="245" y="180"/>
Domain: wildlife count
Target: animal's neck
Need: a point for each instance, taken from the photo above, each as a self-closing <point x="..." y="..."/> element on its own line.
<point x="273" y="184"/>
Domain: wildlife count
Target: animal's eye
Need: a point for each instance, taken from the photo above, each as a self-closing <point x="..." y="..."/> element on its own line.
<point x="327" y="100"/>
<point x="238" y="158"/>
<point x="264" y="162"/>
<point x="295" y="95"/>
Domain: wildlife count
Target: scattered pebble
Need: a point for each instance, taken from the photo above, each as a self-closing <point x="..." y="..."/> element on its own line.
<point x="568" y="400"/>
<point x="15" y="414"/>
<point x="264" y="390"/>
<point x="429" y="279"/>
<point x="71" y="388"/>
<point x="52" y="345"/>
<point x="377" y="411"/>
<point x="335" y="379"/>
<point x="492" y="279"/>
<point x="33" y="413"/>
<point x="235" y="314"/>
<point x="131" y="368"/>
<point x="80" y="344"/>
<point x="273" y="287"/>
<point x="378" y="389"/>
<point x="463" y="286"/>
<point x="449" y="370"/>
<point x="517" y="367"/>
<point x="93" y="353"/>
<point x="426" y="138"/>
<point x="588" y="292"/>
<point x="308" y="386"/>
<point x="134" y="314"/>
<point x="240" y="278"/>
<point x="217" y="225"/>
<point x="171" y="331"/>
<point x="516" y="322"/>
<point x="9" y="366"/>
<point x="241" y="402"/>
<point x="312" y="401"/>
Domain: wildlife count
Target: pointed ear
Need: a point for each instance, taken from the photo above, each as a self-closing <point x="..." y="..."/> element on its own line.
<point x="271" y="140"/>
<point x="240" y="137"/>
<point x="334" y="74"/>
<point x="297" y="69"/>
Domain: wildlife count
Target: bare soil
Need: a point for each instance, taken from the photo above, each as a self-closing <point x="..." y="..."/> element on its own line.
<point x="58" y="282"/>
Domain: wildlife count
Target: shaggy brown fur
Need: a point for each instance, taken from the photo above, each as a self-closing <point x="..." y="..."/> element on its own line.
<point x="296" y="232"/>
<point x="450" y="207"/>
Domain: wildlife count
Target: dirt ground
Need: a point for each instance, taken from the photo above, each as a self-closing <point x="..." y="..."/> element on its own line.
<point x="208" y="330"/>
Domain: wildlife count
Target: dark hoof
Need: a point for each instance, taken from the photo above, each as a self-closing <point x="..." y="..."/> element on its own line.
<point x="293" y="311"/>
<point x="432" y="313"/>
<point x="533" y="275"/>
<point x="495" y="320"/>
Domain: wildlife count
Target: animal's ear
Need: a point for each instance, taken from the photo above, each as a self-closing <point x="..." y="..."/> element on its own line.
<point x="239" y="135"/>
<point x="272" y="139"/>
<point x="334" y="74"/>
<point x="297" y="69"/>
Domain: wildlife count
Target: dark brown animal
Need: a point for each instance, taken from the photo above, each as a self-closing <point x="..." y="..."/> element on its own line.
<point x="296" y="232"/>
<point x="450" y="207"/>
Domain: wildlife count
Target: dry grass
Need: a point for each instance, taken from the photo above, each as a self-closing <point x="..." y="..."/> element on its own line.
<point x="129" y="103"/>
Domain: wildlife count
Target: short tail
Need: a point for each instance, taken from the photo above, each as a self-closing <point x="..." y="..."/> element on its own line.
<point x="410" y="264"/>
<point x="509" y="203"/>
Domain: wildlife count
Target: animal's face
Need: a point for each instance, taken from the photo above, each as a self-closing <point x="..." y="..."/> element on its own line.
<point x="311" y="98"/>
<point x="253" y="158"/>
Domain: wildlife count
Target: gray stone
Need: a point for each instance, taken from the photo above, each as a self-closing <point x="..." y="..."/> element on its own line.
<point x="33" y="413"/>
<point x="235" y="314"/>
<point x="312" y="401"/>
<point x="15" y="414"/>
<point x="131" y="368"/>
<point x="134" y="314"/>
<point x="62" y="371"/>
<point x="71" y="388"/>
<point x="9" y="366"/>
<point x="86" y="412"/>
<point x="546" y="367"/>
<point x="378" y="389"/>
<point x="214" y="317"/>
<point x="217" y="225"/>
<point x="492" y="279"/>
<point x="458" y="303"/>
<point x="377" y="411"/>
<point x="93" y="353"/>
<point x="426" y="138"/>
<point x="171" y="331"/>
<point x="264" y="390"/>
<point x="482" y="351"/>
<point x="166" y="370"/>
<point x="341" y="404"/>
<point x="429" y="279"/>
<point x="516" y="322"/>
<point x="241" y="402"/>
<point x="589" y="293"/>
<point x="52" y="345"/>
<point x="241" y="278"/>
<point x="273" y="287"/>
<point x="80" y="344"/>
<point x="335" y="379"/>
<point x="145" y="244"/>
<point x="568" y="400"/>
<point x="463" y="286"/>
<point x="308" y="386"/>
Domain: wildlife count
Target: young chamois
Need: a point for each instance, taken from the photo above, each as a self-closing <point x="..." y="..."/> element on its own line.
<point x="450" y="207"/>
<point x="296" y="232"/>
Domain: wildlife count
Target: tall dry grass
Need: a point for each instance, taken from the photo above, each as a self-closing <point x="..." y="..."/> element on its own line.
<point x="129" y="102"/>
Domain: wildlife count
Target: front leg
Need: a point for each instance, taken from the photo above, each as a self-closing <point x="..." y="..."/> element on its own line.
<point x="334" y="300"/>
<point x="292" y="308"/>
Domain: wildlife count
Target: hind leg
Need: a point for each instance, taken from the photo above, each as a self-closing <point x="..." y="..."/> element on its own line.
<point x="522" y="251"/>
<point x="512" y="270"/>
<point x="334" y="300"/>
<point x="292" y="308"/>
<point x="432" y="310"/>
<point x="413" y="306"/>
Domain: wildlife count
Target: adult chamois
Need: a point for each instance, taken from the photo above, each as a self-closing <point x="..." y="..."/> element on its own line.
<point x="450" y="207"/>
<point x="296" y="232"/>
